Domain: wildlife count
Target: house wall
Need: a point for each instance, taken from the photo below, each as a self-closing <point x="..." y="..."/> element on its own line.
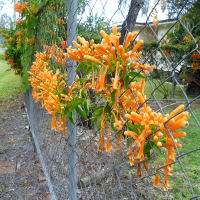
<point x="148" y="35"/>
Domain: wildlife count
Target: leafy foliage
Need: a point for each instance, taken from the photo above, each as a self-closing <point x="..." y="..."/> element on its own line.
<point x="90" y="28"/>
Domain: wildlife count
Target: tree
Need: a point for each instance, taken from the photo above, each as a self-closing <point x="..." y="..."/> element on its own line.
<point x="130" y="20"/>
<point x="90" y="28"/>
<point x="5" y="19"/>
<point x="174" y="6"/>
<point x="185" y="43"/>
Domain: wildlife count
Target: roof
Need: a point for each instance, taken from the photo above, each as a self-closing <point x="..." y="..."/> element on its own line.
<point x="161" y="22"/>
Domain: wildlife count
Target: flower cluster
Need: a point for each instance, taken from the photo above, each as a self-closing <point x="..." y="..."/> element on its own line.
<point x="12" y="54"/>
<point x="20" y="38"/>
<point x="110" y="69"/>
<point x="21" y="7"/>
<point x="48" y="86"/>
<point x="60" y="21"/>
<point x="196" y="60"/>
<point x="187" y="39"/>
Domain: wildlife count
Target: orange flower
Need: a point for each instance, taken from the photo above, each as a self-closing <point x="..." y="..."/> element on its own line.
<point x="19" y="33"/>
<point x="156" y="181"/>
<point x="19" y="22"/>
<point x="60" y="21"/>
<point x="130" y="36"/>
<point x="53" y="7"/>
<point x="53" y="122"/>
<point x="13" y="66"/>
<point x="11" y="39"/>
<point x="18" y="41"/>
<point x="137" y="46"/>
<point x="155" y="22"/>
<point x="116" y="80"/>
<point x="18" y="7"/>
<point x="118" y="125"/>
<point x="11" y="61"/>
<point x="131" y="134"/>
<point x="5" y="54"/>
<point x="108" y="146"/>
<point x="93" y="59"/>
<point x="101" y="141"/>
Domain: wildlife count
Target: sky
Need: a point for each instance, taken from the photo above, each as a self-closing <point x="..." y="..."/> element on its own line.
<point x="109" y="9"/>
<point x="7" y="8"/>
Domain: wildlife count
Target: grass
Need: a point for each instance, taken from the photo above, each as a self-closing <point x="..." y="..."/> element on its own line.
<point x="10" y="85"/>
<point x="164" y="91"/>
<point x="190" y="162"/>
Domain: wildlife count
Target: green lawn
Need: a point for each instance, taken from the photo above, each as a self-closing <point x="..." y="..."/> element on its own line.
<point x="10" y="85"/>
<point x="163" y="90"/>
<point x="190" y="162"/>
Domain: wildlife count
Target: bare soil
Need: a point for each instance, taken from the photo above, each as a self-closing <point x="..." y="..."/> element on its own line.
<point x="21" y="177"/>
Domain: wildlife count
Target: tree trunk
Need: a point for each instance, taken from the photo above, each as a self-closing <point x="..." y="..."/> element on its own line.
<point x="130" y="20"/>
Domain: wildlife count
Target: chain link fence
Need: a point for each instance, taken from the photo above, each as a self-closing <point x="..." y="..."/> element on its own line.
<point x="73" y="165"/>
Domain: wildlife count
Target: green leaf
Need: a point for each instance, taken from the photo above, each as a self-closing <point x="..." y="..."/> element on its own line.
<point x="85" y="66"/>
<point x="130" y="77"/>
<point x="148" y="146"/>
<point x="82" y="80"/>
<point x="72" y="104"/>
<point x="126" y="80"/>
<point x="135" y="74"/>
<point x="157" y="148"/>
<point x="132" y="128"/>
<point x="97" y="112"/>
<point x="112" y="95"/>
<point x="86" y="106"/>
<point x="153" y="127"/>
<point x="135" y="128"/>
<point x="108" y="108"/>
<point x="113" y="128"/>
<point x="139" y="126"/>
<point x="71" y="117"/>
<point x="99" y="124"/>
<point x="80" y="111"/>
<point x="147" y="149"/>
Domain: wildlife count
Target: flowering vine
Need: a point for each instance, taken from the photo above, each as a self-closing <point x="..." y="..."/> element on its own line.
<point x="110" y="70"/>
<point x="21" y="37"/>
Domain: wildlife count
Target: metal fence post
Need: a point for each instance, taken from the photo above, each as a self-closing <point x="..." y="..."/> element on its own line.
<point x="71" y="133"/>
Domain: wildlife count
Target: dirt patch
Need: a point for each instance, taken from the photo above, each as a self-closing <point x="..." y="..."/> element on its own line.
<point x="20" y="171"/>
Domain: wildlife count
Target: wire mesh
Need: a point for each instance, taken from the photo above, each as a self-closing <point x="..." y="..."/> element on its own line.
<point x="92" y="174"/>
